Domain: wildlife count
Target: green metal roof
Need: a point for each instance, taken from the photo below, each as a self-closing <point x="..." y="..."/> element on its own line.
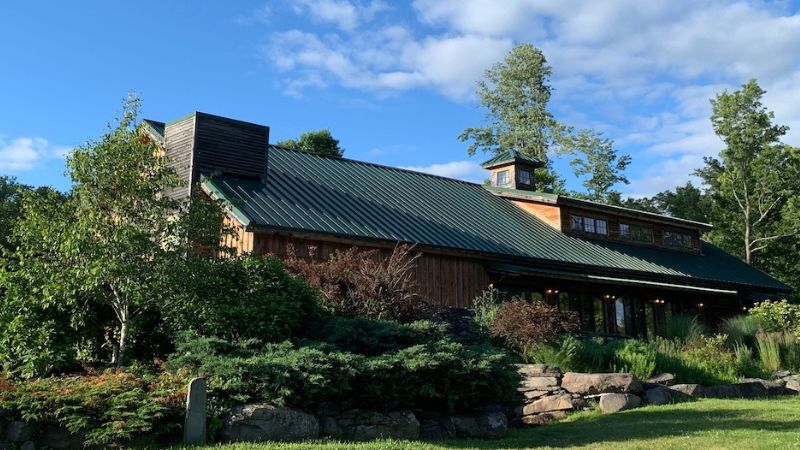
<point x="510" y="156"/>
<point x="303" y="192"/>
<point x="156" y="128"/>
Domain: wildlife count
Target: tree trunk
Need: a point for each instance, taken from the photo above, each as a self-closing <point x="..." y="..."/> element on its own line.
<point x="124" y="324"/>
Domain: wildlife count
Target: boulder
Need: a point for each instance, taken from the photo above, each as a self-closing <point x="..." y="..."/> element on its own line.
<point x="18" y="431"/>
<point x="533" y="395"/>
<point x="611" y="403"/>
<point x="601" y="383"/>
<point x="561" y="402"/>
<point x="736" y="390"/>
<point x="781" y="374"/>
<point x="538" y="370"/>
<point x="492" y="425"/>
<point x="367" y="425"/>
<point x="538" y="383"/>
<point x="657" y="396"/>
<point x="690" y="390"/>
<point x="542" y="418"/>
<point x="59" y="438"/>
<point x="261" y="422"/>
<point x="666" y="379"/>
<point x="793" y="383"/>
<point x="441" y="428"/>
<point x="772" y="387"/>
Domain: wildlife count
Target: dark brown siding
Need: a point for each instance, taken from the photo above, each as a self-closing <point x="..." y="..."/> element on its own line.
<point x="230" y="146"/>
<point x="179" y="143"/>
<point x="441" y="279"/>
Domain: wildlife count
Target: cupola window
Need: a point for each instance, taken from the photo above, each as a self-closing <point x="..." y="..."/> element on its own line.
<point x="525" y="176"/>
<point x="502" y="178"/>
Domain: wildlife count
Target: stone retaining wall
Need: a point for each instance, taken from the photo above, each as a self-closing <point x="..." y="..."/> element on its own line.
<point x="550" y="395"/>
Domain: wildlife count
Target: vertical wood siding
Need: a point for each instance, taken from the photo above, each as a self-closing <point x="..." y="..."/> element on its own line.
<point x="442" y="280"/>
<point x="179" y="144"/>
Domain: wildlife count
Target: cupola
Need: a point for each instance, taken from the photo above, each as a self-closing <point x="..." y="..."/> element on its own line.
<point x="512" y="170"/>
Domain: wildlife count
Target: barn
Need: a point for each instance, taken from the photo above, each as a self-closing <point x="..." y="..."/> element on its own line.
<point x="624" y="271"/>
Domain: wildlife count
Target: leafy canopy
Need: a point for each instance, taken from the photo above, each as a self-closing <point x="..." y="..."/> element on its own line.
<point x="320" y="142"/>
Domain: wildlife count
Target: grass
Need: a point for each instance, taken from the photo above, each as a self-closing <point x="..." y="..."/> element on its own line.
<point x="707" y="424"/>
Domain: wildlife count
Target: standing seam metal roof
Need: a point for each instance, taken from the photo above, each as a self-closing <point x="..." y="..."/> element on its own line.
<point x="310" y="193"/>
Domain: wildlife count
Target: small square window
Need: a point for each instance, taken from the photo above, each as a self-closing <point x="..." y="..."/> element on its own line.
<point x="625" y="230"/>
<point x="588" y="225"/>
<point x="600" y="226"/>
<point x="577" y="223"/>
<point x="525" y="176"/>
<point x="502" y="178"/>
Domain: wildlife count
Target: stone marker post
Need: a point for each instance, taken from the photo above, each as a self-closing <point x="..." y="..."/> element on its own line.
<point x="194" y="429"/>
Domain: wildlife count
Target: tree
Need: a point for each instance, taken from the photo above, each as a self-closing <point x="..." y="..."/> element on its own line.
<point x="320" y="142"/>
<point x="686" y="202"/>
<point x="755" y="177"/>
<point x="112" y="241"/>
<point x="600" y="164"/>
<point x="515" y="93"/>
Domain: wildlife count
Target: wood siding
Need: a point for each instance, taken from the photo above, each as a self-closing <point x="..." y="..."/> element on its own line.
<point x="229" y="146"/>
<point x="179" y="144"/>
<point x="550" y="214"/>
<point x="442" y="280"/>
<point x="240" y="241"/>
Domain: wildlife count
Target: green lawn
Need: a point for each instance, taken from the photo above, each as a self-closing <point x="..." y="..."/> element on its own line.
<point x="704" y="424"/>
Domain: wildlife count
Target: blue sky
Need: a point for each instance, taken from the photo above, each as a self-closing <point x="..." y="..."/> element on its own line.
<point x="393" y="81"/>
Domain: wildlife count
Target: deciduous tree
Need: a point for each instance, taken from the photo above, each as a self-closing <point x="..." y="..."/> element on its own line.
<point x="320" y="142"/>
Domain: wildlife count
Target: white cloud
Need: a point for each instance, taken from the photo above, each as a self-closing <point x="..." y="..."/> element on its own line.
<point x="344" y="14"/>
<point x="25" y="153"/>
<point x="665" y="175"/>
<point x="463" y="170"/>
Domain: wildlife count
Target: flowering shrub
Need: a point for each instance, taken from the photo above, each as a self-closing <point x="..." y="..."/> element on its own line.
<point x="523" y="324"/>
<point x="777" y="316"/>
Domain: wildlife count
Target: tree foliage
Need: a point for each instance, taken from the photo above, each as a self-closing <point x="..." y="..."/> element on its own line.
<point x="754" y="180"/>
<point x="600" y="165"/>
<point x="320" y="142"/>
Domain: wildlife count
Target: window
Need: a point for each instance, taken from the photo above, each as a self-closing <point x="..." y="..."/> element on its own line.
<point x="502" y="178"/>
<point x="678" y="240"/>
<point x="640" y="233"/>
<point x="589" y="225"/>
<point x="525" y="177"/>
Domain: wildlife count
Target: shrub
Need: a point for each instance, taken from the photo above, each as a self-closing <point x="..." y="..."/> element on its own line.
<point x="635" y="357"/>
<point x="485" y="307"/>
<point x="769" y="350"/>
<point x="112" y="407"/>
<point x="372" y="337"/>
<point x="523" y="324"/>
<point x="439" y="375"/>
<point x="238" y="298"/>
<point x="362" y="283"/>
<point x="566" y="354"/>
<point x="741" y="329"/>
<point x="777" y="316"/>
<point x="685" y="328"/>
<point x="746" y="363"/>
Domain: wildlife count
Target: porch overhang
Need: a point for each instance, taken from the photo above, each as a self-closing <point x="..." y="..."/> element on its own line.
<point x="516" y="270"/>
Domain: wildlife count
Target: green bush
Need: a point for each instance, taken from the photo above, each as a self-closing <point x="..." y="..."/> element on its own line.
<point x="566" y="354"/>
<point x="741" y="329"/>
<point x="108" y="408"/>
<point x="777" y="316"/>
<point x="635" y="357"/>
<point x="439" y="375"/>
<point x="238" y="298"/>
<point x="371" y="337"/>
<point x="685" y="328"/>
<point x="485" y="307"/>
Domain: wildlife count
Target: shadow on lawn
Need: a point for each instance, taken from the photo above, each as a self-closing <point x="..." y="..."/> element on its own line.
<point x="639" y="424"/>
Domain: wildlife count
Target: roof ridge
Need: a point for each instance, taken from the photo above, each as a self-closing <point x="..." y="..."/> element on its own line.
<point x="381" y="166"/>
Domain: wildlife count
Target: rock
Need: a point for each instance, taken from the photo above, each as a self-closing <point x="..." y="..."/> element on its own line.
<point x="438" y="429"/>
<point x="561" y="402"/>
<point x="538" y="383"/>
<point x="537" y="370"/>
<point x="542" y="418"/>
<point x="690" y="390"/>
<point x="261" y="422"/>
<point x="793" y="383"/>
<point x="781" y="374"/>
<point x="601" y="383"/>
<point x="194" y="425"/>
<point x="533" y="395"/>
<point x="657" y="396"/>
<point x="736" y="390"/>
<point x="27" y="445"/>
<point x="59" y="438"/>
<point x="366" y="425"/>
<point x="772" y="387"/>
<point x="667" y="379"/>
<point x="611" y="403"/>
<point x="485" y="426"/>
<point x="18" y="431"/>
